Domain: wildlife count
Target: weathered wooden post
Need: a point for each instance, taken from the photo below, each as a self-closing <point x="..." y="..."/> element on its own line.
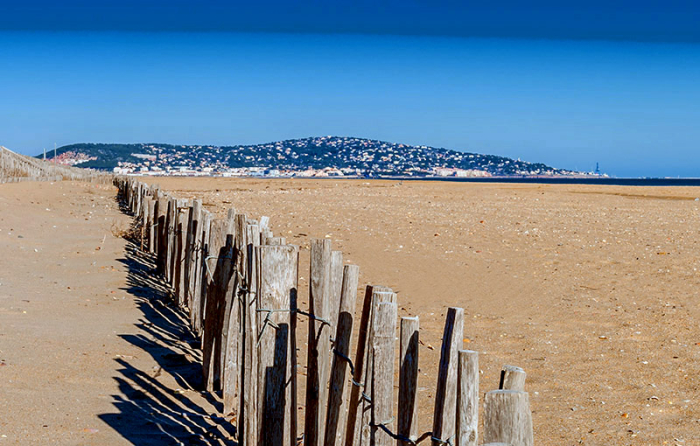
<point x="512" y="378"/>
<point x="338" y="392"/>
<point x="219" y="266"/>
<point x="162" y="231"/>
<point x="507" y="418"/>
<point x="169" y="233"/>
<point x="194" y="250"/>
<point x="249" y="387"/>
<point x="233" y="378"/>
<point x="181" y="255"/>
<point x="201" y="279"/>
<point x="468" y="398"/>
<point x="383" y="344"/>
<point x="445" y="416"/>
<point x="275" y="241"/>
<point x="228" y="297"/>
<point x="335" y="284"/>
<point x="407" y="422"/>
<point x="277" y="293"/>
<point x="144" y="223"/>
<point x="319" y="342"/>
<point x="152" y="220"/>
<point x="355" y="414"/>
<point x="365" y="425"/>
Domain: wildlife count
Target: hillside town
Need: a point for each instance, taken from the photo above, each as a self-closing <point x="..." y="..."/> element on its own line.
<point x="309" y="157"/>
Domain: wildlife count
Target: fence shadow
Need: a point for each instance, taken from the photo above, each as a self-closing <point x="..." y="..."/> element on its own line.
<point x="150" y="410"/>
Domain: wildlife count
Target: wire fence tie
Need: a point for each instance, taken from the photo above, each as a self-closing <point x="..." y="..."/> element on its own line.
<point x="314" y="317"/>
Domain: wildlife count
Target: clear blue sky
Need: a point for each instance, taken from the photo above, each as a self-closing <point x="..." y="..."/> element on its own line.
<point x="629" y="100"/>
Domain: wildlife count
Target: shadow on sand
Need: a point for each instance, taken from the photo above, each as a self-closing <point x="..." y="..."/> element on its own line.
<point x="165" y="405"/>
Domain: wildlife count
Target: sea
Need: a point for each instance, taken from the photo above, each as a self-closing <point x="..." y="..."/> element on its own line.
<point x="567" y="180"/>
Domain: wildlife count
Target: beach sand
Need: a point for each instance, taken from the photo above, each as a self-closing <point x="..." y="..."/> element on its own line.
<point x="89" y="354"/>
<point x="591" y="289"/>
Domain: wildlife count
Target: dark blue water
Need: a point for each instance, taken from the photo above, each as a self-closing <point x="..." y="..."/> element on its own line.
<point x="565" y="180"/>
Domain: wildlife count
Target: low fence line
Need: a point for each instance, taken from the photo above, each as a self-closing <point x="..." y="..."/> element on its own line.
<point x="15" y="168"/>
<point x="239" y="284"/>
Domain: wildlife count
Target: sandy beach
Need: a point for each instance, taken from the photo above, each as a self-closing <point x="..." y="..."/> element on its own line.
<point x="592" y="290"/>
<point x="90" y="353"/>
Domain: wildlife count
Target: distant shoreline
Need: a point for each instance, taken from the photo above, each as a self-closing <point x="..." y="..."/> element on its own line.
<point x="601" y="181"/>
<point x="564" y="180"/>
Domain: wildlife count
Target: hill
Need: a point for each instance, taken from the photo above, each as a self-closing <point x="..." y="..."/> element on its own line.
<point x="346" y="155"/>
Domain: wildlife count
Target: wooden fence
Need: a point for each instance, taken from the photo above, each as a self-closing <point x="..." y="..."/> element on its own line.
<point x="15" y="168"/>
<point x="239" y="284"/>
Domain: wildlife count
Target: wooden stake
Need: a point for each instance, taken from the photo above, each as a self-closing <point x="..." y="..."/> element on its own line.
<point x="319" y="342"/>
<point x="277" y="288"/>
<point x="170" y="238"/>
<point x="352" y="431"/>
<point x="195" y="252"/>
<point x="445" y="416"/>
<point x="378" y="297"/>
<point x="200" y="276"/>
<point x="339" y="392"/>
<point x="233" y="378"/>
<point x="507" y="418"/>
<point x="383" y="345"/>
<point x="218" y="268"/>
<point x="249" y="387"/>
<point x="152" y="220"/>
<point x="468" y="399"/>
<point x="336" y="286"/>
<point x="229" y="299"/>
<point x="512" y="378"/>
<point x="407" y="423"/>
<point x="181" y="254"/>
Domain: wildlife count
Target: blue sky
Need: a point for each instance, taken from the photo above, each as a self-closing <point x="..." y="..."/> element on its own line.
<point x="627" y="99"/>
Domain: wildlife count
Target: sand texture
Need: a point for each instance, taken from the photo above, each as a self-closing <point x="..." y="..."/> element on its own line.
<point x="592" y="290"/>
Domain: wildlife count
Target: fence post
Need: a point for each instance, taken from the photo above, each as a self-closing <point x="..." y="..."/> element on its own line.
<point x="378" y="297"/>
<point x="445" y="417"/>
<point x="512" y="378"/>
<point x="335" y="284"/>
<point x="338" y="391"/>
<point x="218" y="268"/>
<point x="170" y="238"/>
<point x="181" y="253"/>
<point x="319" y="342"/>
<point x="277" y="288"/>
<point x="195" y="252"/>
<point x="407" y="423"/>
<point x="468" y="398"/>
<point x="383" y="344"/>
<point x="249" y="385"/>
<point x="151" y="223"/>
<point x="233" y="378"/>
<point x="229" y="299"/>
<point x="352" y="431"/>
<point x="145" y="225"/>
<point x="507" y="418"/>
<point x="161" y="209"/>
<point x="200" y="278"/>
